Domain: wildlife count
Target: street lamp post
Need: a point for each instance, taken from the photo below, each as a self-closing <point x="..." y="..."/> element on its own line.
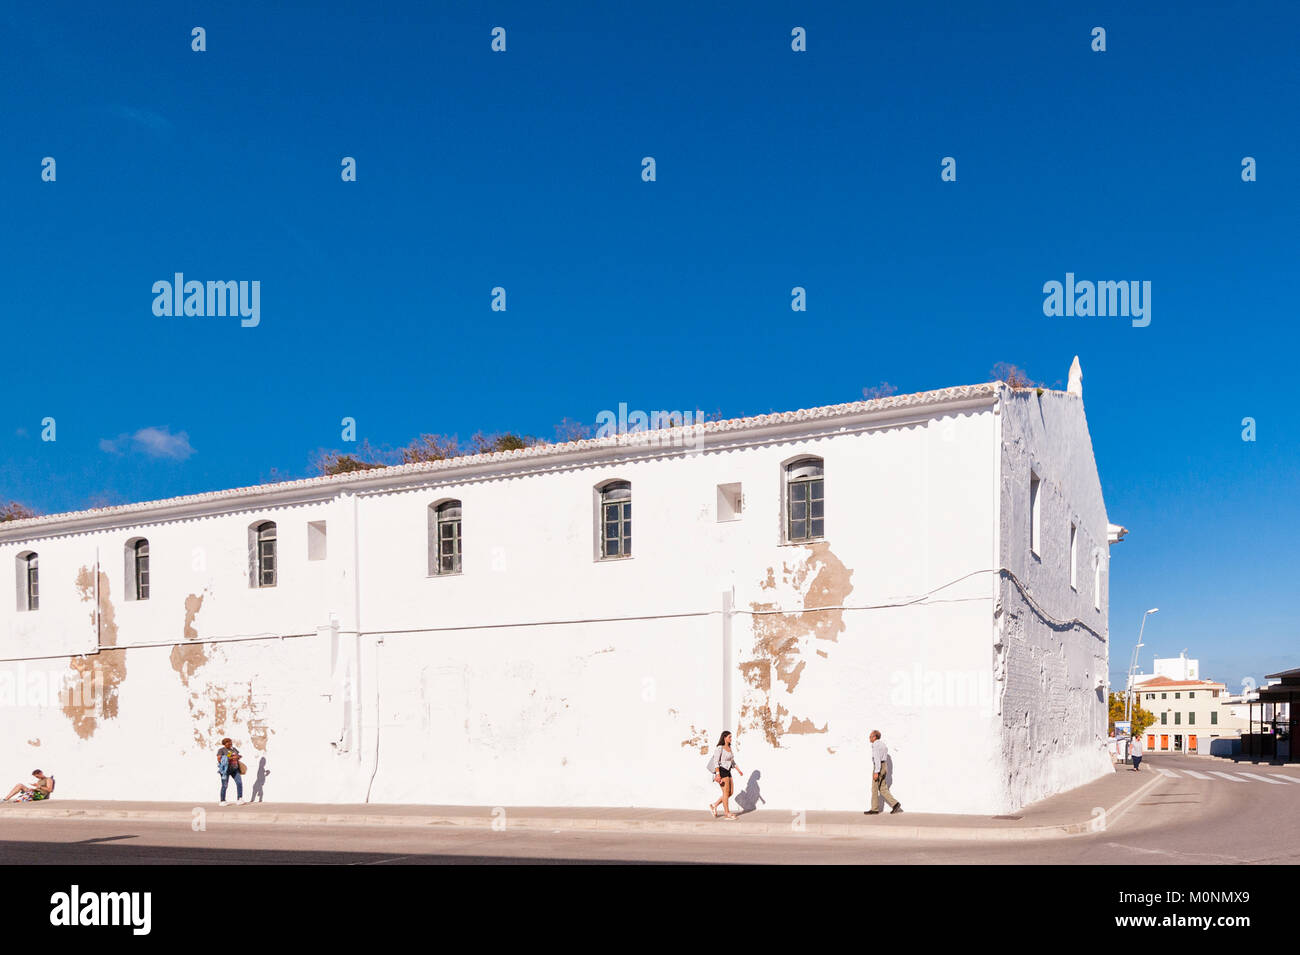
<point x="1128" y="696"/>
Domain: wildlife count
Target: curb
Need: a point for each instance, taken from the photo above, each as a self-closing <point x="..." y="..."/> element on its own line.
<point x="662" y="826"/>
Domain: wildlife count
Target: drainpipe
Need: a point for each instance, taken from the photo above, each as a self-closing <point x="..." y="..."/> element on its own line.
<point x="99" y="622"/>
<point x="379" y="641"/>
<point x="728" y="602"/>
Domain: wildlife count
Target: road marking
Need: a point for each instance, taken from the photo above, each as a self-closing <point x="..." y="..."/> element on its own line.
<point x="1290" y="779"/>
<point x="1235" y="779"/>
<point x="1262" y="779"/>
<point x="1195" y="775"/>
<point x="1166" y="772"/>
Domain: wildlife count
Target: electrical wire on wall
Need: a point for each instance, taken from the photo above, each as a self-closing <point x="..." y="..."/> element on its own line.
<point x="924" y="598"/>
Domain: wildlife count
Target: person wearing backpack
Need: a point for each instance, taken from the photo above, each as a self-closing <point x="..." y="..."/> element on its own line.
<point x="228" y="765"/>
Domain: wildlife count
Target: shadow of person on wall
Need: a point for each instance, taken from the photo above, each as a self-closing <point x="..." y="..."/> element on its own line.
<point x="749" y="797"/>
<point x="259" y="783"/>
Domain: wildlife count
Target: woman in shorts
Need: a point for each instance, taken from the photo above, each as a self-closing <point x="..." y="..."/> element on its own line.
<point x="722" y="764"/>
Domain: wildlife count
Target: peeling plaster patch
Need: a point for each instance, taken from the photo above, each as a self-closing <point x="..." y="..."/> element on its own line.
<point x="193" y="604"/>
<point x="185" y="659"/>
<point x="804" y="726"/>
<point x="105" y="669"/>
<point x="216" y="709"/>
<point x="698" y="737"/>
<point x="258" y="732"/>
<point x="781" y="640"/>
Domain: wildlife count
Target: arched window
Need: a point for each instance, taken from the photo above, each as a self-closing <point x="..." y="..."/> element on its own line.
<point x="264" y="554"/>
<point x="616" y="520"/>
<point x="444" y="538"/>
<point x="137" y="569"/>
<point x="805" y="500"/>
<point x="29" y="591"/>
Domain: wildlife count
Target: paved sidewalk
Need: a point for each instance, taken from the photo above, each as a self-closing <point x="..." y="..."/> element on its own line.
<point x="1078" y="812"/>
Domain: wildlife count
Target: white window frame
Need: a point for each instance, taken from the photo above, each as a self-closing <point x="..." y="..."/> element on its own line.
<point x="258" y="536"/>
<point x="623" y="518"/>
<point x="788" y="482"/>
<point x="131" y="556"/>
<point x="436" y="524"/>
<point x="28" y="568"/>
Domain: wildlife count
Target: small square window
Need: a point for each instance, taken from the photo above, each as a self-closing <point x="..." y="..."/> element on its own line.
<point x="730" y="502"/>
<point x="315" y="540"/>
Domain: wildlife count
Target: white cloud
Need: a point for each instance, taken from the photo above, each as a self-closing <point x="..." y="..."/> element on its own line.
<point x="144" y="117"/>
<point x="153" y="442"/>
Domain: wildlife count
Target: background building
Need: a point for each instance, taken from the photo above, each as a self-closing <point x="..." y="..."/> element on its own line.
<point x="1190" y="715"/>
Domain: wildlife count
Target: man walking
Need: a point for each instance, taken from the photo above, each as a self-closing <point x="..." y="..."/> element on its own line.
<point x="879" y="770"/>
<point x="1135" y="750"/>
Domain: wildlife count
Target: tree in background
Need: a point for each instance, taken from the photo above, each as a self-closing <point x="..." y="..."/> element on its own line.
<point x="570" y="430"/>
<point x="1141" y="718"/>
<point x="13" y="511"/>
<point x="440" y="447"/>
<point x="1013" y="375"/>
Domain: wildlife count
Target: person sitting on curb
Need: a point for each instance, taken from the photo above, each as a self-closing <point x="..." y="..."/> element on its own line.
<point x="43" y="789"/>
<point x="228" y="766"/>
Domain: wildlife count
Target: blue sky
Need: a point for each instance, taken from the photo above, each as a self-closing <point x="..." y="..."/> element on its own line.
<point x="775" y="169"/>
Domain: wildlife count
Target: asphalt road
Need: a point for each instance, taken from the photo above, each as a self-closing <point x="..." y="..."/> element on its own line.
<point x="1184" y="820"/>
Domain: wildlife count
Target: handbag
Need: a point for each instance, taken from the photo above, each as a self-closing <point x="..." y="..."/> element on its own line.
<point x="243" y="770"/>
<point x="715" y="767"/>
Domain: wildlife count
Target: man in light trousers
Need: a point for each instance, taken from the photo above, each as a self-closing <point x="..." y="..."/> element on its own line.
<point x="879" y="769"/>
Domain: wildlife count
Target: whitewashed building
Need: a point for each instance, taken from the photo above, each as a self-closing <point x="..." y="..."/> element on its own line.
<point x="490" y="630"/>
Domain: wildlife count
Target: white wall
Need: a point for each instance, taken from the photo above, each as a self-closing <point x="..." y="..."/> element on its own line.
<point x="523" y="680"/>
<point x="1051" y="671"/>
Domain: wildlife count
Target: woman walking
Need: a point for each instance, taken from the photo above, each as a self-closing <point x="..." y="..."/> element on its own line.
<point x="722" y="763"/>
<point x="228" y="766"/>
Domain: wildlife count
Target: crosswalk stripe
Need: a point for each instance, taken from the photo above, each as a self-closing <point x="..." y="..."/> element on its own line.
<point x="1235" y="779"/>
<point x="1262" y="779"/>
<point x="1163" y="771"/>
<point x="1290" y="779"/>
<point x="1195" y="775"/>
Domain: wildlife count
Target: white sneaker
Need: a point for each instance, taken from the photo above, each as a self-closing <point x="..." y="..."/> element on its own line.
<point x="239" y="802"/>
<point x="224" y="803"/>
